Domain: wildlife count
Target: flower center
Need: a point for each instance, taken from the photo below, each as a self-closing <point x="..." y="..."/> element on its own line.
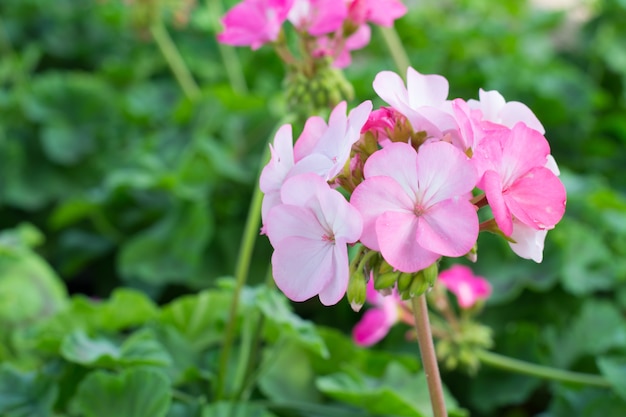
<point x="419" y="209"/>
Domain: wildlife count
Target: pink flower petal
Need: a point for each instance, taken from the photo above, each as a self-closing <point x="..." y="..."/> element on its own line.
<point x="493" y="190"/>
<point x="374" y="197"/>
<point x="336" y="287"/>
<point x="425" y="90"/>
<point x="468" y="288"/>
<point x="449" y="228"/>
<point x="396" y="232"/>
<point x="302" y="267"/>
<point x="372" y="327"/>
<point x="528" y="241"/>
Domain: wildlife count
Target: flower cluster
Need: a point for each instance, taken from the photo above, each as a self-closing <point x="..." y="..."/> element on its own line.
<point x="327" y="28"/>
<point x="417" y="172"/>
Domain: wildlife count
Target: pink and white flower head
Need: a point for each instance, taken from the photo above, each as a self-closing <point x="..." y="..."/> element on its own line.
<point x="467" y="287"/>
<point x="423" y="101"/>
<point x="322" y="149"/>
<point x="414" y="205"/>
<point x="377" y="321"/>
<point x="310" y="231"/>
<point x="516" y="181"/>
<point x="254" y="23"/>
<point x="496" y="110"/>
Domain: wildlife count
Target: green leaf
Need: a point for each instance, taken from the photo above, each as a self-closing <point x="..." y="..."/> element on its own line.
<point x="288" y="374"/>
<point x="25" y="394"/>
<point x="583" y="401"/>
<point x="226" y="409"/>
<point x="281" y="320"/>
<point x="398" y="393"/>
<point x="171" y="250"/>
<point x="200" y="318"/>
<point x="141" y="348"/>
<point x="30" y="290"/>
<point x="597" y="328"/>
<point x="614" y="369"/>
<point x="135" y="392"/>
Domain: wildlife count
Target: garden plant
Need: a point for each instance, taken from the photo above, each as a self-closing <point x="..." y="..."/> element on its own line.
<point x="283" y="208"/>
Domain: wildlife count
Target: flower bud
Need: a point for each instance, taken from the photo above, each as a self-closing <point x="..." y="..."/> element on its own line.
<point x="357" y="291"/>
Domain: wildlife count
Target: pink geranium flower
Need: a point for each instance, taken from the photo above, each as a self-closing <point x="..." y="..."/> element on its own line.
<point x="467" y="287"/>
<point x="254" y="22"/>
<point x="387" y="310"/>
<point x="380" y="12"/>
<point x="322" y="149"/>
<point x="310" y="231"/>
<point x="413" y="204"/>
<point x="318" y="17"/>
<point x="423" y="101"/>
<point x="516" y="181"/>
<point x="496" y="110"/>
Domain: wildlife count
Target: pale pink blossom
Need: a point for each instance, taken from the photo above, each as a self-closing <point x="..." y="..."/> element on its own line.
<point x="387" y="310"/>
<point x="423" y="101"/>
<point x="318" y="17"/>
<point x="341" y="49"/>
<point x="413" y="204"/>
<point x="495" y="109"/>
<point x="467" y="287"/>
<point x="529" y="241"/>
<point x="254" y="22"/>
<point x="310" y="231"/>
<point x="516" y="181"/>
<point x="322" y="149"/>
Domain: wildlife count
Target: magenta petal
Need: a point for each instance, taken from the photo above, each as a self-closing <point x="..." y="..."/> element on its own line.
<point x="449" y="228"/>
<point x="493" y="190"/>
<point x="372" y="198"/>
<point x="302" y="267"/>
<point x="523" y="150"/>
<point x="468" y="288"/>
<point x="372" y="327"/>
<point x="396" y="232"/>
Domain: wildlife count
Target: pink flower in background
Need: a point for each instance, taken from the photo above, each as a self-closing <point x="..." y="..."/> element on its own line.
<point x="340" y="49"/>
<point x="516" y="181"/>
<point x="467" y="287"/>
<point x="310" y="232"/>
<point x="254" y="22"/>
<point x="380" y="12"/>
<point x="378" y="320"/>
<point x="413" y="204"/>
<point x="318" y="17"/>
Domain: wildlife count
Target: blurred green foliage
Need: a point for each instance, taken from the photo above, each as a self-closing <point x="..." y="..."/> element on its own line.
<point x="116" y="178"/>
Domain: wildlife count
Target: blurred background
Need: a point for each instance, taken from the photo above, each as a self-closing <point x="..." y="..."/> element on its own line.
<point x="119" y="174"/>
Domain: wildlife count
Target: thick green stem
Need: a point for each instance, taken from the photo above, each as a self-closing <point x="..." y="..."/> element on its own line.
<point x="429" y="357"/>
<point x="397" y="51"/>
<point x="515" y="365"/>
<point x="175" y="60"/>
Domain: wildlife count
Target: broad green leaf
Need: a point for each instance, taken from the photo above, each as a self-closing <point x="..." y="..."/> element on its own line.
<point x="288" y="374"/>
<point x="30" y="290"/>
<point x="598" y="327"/>
<point x="200" y="318"/>
<point x="25" y="394"/>
<point x="581" y="401"/>
<point x="398" y="393"/>
<point x="141" y="348"/>
<point x="226" y="409"/>
<point x="614" y="369"/>
<point x="170" y="250"/>
<point x="135" y="392"/>
<point x="281" y="320"/>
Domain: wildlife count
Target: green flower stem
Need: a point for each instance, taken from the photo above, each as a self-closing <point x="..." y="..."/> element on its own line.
<point x="429" y="358"/>
<point x="398" y="53"/>
<point x="250" y="233"/>
<point x="175" y="60"/>
<point x="515" y="365"/>
<point x="230" y="58"/>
